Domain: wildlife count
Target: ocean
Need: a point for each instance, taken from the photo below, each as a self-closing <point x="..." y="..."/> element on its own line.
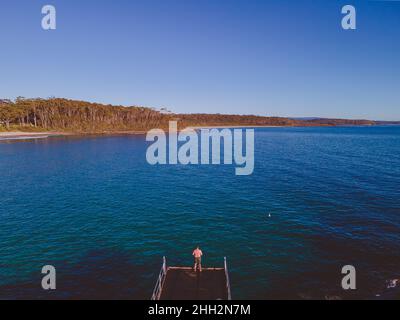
<point x="319" y="198"/>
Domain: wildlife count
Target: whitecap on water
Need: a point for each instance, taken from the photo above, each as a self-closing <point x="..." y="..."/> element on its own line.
<point x="392" y="283"/>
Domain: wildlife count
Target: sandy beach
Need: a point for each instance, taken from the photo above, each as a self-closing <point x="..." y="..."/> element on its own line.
<point x="21" y="134"/>
<point x="16" y="135"/>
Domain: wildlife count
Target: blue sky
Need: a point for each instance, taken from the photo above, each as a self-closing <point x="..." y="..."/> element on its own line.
<point x="281" y="57"/>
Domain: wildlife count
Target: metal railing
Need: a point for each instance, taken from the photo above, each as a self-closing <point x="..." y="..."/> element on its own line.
<point x="160" y="281"/>
<point x="228" y="285"/>
<point x="163" y="273"/>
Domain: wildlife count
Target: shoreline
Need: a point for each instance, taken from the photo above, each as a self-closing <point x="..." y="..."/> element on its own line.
<point x="233" y="127"/>
<point x="38" y="134"/>
<point x="22" y="134"/>
<point x="42" y="134"/>
<point x="4" y="135"/>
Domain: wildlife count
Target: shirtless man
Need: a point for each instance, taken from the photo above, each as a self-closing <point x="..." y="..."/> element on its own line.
<point x="197" y="253"/>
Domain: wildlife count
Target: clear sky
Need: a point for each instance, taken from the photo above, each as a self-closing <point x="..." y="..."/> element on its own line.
<point x="280" y="57"/>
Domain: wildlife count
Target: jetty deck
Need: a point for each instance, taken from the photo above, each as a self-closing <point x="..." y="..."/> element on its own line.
<point x="183" y="283"/>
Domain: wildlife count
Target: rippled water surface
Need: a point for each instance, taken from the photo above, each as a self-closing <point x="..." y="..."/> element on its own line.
<point x="94" y="208"/>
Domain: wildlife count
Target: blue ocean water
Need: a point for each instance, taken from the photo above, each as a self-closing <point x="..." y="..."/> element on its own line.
<point x="96" y="210"/>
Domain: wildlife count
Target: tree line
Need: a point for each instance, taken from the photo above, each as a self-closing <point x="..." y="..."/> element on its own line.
<point x="81" y="116"/>
<point x="72" y="115"/>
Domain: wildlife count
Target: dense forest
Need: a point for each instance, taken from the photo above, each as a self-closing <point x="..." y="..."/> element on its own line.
<point x="57" y="114"/>
<point x="80" y="116"/>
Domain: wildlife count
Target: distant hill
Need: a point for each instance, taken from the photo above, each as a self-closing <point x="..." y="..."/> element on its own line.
<point x="85" y="117"/>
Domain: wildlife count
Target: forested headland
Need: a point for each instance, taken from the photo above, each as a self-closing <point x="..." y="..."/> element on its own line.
<point x="57" y="114"/>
